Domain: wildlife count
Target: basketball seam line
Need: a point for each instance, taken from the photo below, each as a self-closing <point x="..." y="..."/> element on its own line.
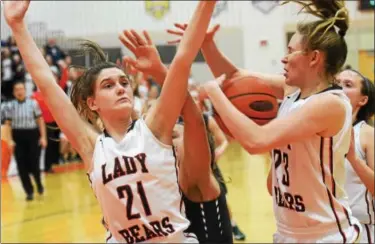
<point x="252" y="93"/>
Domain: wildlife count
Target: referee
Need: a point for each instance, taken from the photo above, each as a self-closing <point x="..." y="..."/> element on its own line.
<point x="28" y="134"/>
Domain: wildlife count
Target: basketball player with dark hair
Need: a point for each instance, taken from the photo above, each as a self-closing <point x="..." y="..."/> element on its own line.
<point x="203" y="193"/>
<point x="360" y="164"/>
<point x="311" y="134"/>
<point x="131" y="165"/>
<point x="221" y="143"/>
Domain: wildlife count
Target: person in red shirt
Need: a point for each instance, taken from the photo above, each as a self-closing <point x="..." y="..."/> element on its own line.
<point x="52" y="152"/>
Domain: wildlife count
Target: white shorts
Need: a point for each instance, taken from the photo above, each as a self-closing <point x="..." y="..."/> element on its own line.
<point x="351" y="235"/>
<point x="367" y="234"/>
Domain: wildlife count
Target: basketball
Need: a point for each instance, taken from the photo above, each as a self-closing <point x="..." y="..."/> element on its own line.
<point x="253" y="97"/>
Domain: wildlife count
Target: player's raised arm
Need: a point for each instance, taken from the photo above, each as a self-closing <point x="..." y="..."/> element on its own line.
<point x="196" y="158"/>
<point x="220" y="64"/>
<point x="79" y="134"/>
<point x="173" y="94"/>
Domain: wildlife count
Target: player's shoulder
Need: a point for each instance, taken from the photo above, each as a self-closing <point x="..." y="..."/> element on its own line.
<point x="367" y="132"/>
<point x="368" y="129"/>
<point x="330" y="99"/>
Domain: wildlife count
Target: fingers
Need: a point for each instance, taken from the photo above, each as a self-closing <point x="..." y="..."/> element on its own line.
<point x="173" y="32"/>
<point x="128" y="61"/>
<point x="220" y="80"/>
<point x="148" y="39"/>
<point x="138" y="38"/>
<point x="180" y="26"/>
<point x="174" y="41"/>
<point x="214" y="29"/>
<point x="129" y="65"/>
<point x="131" y="38"/>
<point x="124" y="40"/>
<point x="180" y="32"/>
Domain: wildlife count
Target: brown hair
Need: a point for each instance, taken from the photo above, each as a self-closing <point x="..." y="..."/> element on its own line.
<point x="367" y="111"/>
<point x="84" y="87"/>
<point x="321" y="34"/>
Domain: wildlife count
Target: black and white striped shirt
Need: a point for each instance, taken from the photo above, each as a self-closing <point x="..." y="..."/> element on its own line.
<point x="23" y="114"/>
<point x="3" y="111"/>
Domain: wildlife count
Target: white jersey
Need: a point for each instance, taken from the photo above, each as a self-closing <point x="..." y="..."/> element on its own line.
<point x="136" y="184"/>
<point x="360" y="200"/>
<point x="308" y="179"/>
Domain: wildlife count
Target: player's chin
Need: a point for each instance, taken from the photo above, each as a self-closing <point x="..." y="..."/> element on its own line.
<point x="124" y="107"/>
<point x="289" y="81"/>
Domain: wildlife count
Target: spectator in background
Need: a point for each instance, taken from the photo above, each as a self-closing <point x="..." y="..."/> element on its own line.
<point x="49" y="60"/>
<point x="4" y="43"/>
<point x="153" y="94"/>
<point x="54" y="50"/>
<point x="67" y="152"/>
<point x="52" y="153"/>
<point x="68" y="60"/>
<point x="18" y="69"/>
<point x="138" y="101"/>
<point x="6" y="151"/>
<point x="6" y="74"/>
<point x="12" y="45"/>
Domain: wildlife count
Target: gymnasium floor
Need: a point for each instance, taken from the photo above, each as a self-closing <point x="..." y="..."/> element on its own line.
<point x="69" y="213"/>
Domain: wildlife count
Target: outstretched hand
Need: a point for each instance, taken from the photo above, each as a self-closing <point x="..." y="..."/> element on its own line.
<point x="182" y="27"/>
<point x="209" y="85"/>
<point x="14" y="11"/>
<point x="147" y="57"/>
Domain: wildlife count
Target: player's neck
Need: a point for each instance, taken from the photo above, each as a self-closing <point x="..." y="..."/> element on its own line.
<point x="354" y="115"/>
<point x="117" y="128"/>
<point x="312" y="88"/>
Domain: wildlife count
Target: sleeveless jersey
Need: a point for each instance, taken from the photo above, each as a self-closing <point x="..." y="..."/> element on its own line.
<point x="360" y="200"/>
<point x="136" y="184"/>
<point x="308" y="179"/>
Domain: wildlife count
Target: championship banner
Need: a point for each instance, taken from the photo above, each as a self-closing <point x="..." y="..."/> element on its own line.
<point x="157" y="9"/>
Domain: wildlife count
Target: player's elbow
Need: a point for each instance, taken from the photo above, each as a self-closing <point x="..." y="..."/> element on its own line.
<point x="254" y="150"/>
<point x="256" y="146"/>
<point x="269" y="189"/>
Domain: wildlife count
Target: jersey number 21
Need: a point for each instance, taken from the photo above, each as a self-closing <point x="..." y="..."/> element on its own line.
<point x="126" y="189"/>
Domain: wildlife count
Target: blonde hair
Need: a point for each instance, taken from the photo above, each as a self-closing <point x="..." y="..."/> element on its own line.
<point x="321" y="34"/>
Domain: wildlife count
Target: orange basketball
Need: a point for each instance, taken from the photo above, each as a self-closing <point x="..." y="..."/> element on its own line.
<point x="253" y="97"/>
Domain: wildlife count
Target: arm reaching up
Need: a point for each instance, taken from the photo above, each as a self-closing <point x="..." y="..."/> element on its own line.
<point x="173" y="94"/>
<point x="220" y="64"/>
<point x="196" y="159"/>
<point x="80" y="135"/>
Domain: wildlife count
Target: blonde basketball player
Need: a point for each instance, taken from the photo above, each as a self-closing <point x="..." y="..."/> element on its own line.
<point x="360" y="164"/>
<point x="311" y="135"/>
<point x="132" y="164"/>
